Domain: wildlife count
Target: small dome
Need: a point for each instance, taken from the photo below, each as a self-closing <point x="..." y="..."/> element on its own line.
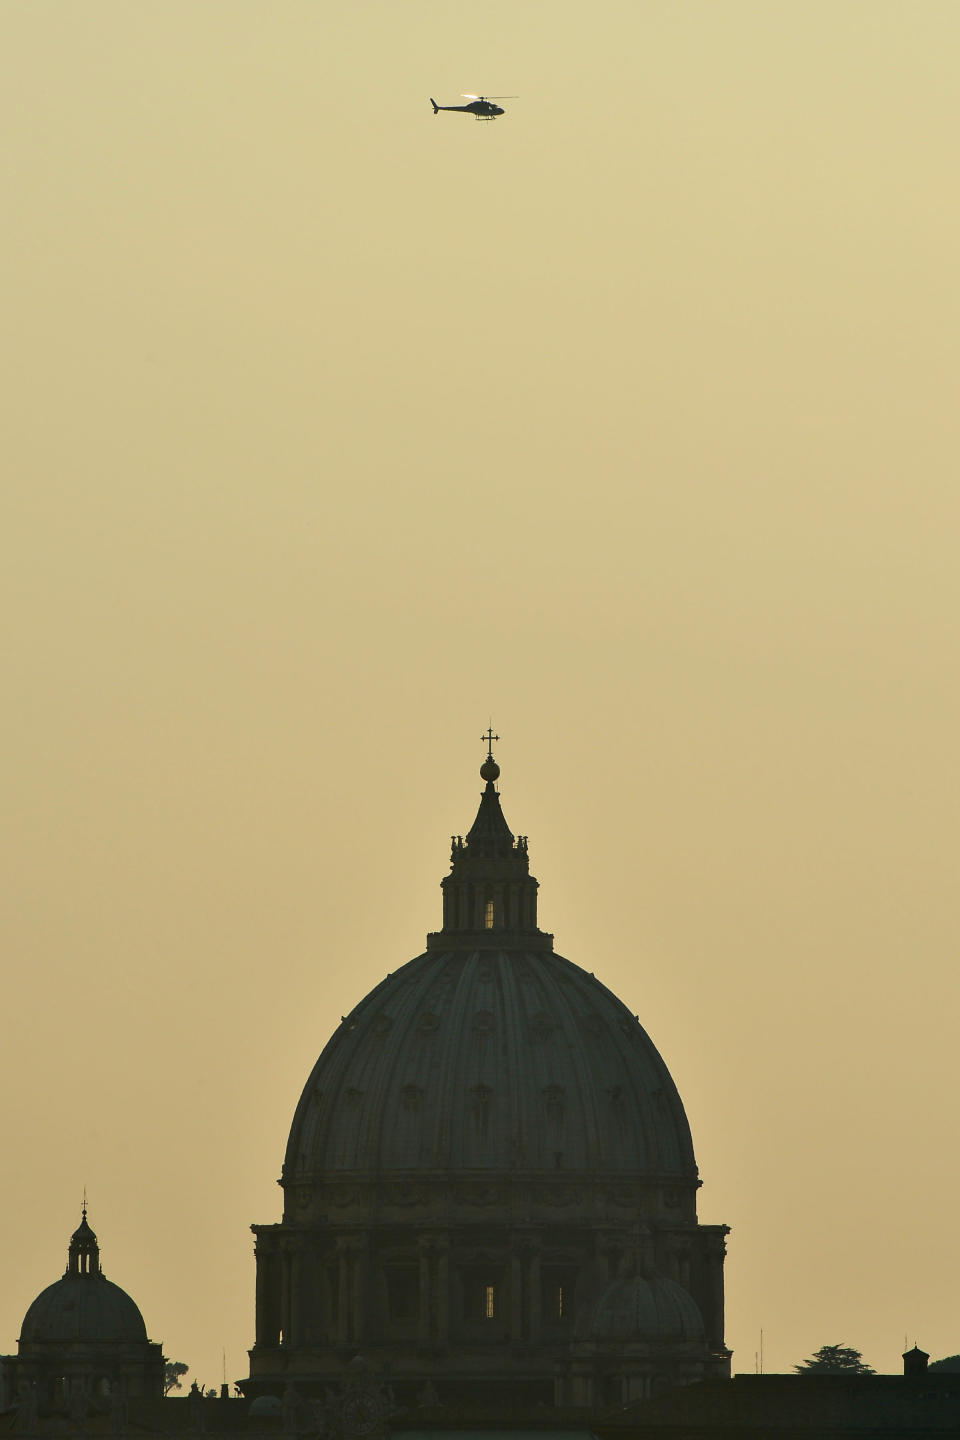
<point x="84" y="1308"/>
<point x="266" y="1405"/>
<point x="640" y="1309"/>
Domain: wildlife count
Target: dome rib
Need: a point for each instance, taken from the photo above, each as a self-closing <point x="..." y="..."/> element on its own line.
<point x="386" y="1103"/>
<point x="590" y="1124"/>
<point x="523" y="1081"/>
<point x="447" y="1126"/>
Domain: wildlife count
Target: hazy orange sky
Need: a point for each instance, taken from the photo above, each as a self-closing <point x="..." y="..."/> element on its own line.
<point x="332" y="429"/>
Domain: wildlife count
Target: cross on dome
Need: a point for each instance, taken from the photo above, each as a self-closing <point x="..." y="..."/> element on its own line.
<point x="489" y="770"/>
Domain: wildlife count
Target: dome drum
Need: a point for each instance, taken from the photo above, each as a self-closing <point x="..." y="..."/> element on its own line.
<point x="597" y="1200"/>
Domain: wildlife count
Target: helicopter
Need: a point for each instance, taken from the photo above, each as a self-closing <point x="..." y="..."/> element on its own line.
<point x="481" y="107"/>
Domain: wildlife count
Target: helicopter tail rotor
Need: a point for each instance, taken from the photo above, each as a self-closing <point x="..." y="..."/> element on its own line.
<point x="436" y="107"/>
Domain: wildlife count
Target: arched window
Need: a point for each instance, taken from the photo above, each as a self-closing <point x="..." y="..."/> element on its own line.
<point x="488" y="915"/>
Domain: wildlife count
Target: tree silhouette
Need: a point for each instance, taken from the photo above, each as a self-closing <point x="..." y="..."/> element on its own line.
<point x="835" y="1360"/>
<point x="172" y="1370"/>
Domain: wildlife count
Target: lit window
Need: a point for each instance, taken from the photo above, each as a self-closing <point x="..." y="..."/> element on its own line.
<point x="558" y="1289"/>
<point x="488" y="1302"/>
<point x="488" y="916"/>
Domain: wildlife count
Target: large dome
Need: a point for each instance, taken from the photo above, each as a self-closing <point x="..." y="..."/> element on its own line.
<point x="490" y="1060"/>
<point x="489" y="1052"/>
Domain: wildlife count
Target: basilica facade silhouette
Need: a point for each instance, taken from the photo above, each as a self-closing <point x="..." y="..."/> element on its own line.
<point x="489" y="1204"/>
